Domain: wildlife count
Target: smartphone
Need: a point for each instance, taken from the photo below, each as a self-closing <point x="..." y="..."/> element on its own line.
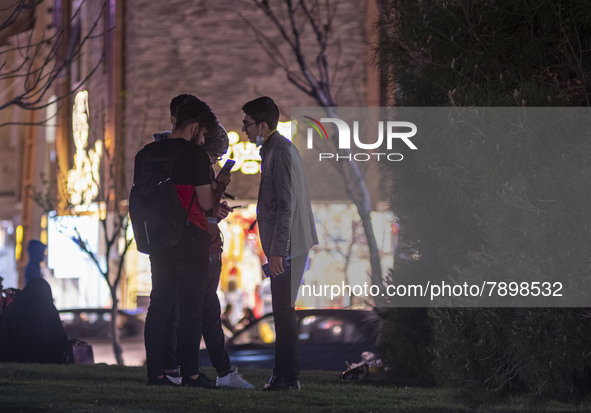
<point x="227" y="168"/>
<point x="286" y="265"/>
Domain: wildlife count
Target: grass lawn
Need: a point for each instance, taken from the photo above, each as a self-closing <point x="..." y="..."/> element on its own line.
<point x="102" y="388"/>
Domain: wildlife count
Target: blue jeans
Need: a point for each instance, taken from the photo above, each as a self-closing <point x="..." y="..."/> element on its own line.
<point x="179" y="274"/>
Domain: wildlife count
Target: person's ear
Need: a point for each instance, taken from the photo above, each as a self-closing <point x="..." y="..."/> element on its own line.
<point x="195" y="128"/>
<point x="173" y="121"/>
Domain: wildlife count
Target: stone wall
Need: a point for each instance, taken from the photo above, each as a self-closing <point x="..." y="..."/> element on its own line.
<point x="206" y="48"/>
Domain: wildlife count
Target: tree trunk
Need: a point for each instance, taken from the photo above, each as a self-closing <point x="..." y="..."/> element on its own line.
<point x="358" y="193"/>
<point x="357" y="190"/>
<point x="117" y="350"/>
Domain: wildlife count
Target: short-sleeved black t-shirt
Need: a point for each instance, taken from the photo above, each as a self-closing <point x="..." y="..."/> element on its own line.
<point x="192" y="166"/>
<point x="191" y="169"/>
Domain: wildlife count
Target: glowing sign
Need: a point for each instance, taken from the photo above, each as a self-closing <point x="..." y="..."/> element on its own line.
<point x="246" y="154"/>
<point x="84" y="178"/>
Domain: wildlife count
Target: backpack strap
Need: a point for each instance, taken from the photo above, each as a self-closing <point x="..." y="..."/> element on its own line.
<point x="190" y="205"/>
<point x="171" y="163"/>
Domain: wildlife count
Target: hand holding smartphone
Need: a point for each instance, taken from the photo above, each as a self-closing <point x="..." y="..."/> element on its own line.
<point x="227" y="168"/>
<point x="286" y="266"/>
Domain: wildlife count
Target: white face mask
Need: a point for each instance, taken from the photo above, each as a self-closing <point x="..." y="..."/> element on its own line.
<point x="259" y="139"/>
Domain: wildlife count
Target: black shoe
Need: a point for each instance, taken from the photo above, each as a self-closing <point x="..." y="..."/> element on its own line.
<point x="274" y="381"/>
<point x="162" y="381"/>
<point x="283" y="384"/>
<point x="201" y="381"/>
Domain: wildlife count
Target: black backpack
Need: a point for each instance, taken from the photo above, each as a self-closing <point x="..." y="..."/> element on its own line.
<point x="157" y="216"/>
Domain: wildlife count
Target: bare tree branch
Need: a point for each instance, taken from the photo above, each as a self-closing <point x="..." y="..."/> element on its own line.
<point x="40" y="63"/>
<point x="321" y="38"/>
<point x="319" y="87"/>
<point x="21" y="6"/>
<point x="275" y="54"/>
<point x="268" y="45"/>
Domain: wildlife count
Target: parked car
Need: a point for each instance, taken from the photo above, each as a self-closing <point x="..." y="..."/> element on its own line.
<point x="93" y="326"/>
<point x="329" y="338"/>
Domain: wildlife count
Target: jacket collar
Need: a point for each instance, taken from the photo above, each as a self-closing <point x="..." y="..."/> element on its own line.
<point x="267" y="143"/>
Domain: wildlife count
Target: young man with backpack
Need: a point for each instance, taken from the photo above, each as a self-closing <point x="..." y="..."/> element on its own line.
<point x="216" y="144"/>
<point x="180" y="261"/>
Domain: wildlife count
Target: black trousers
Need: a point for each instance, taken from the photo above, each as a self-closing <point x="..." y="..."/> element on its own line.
<point x="211" y="323"/>
<point x="179" y="274"/>
<point x="211" y="326"/>
<point x="284" y="290"/>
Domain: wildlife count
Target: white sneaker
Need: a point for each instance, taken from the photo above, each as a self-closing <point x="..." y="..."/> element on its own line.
<point x="233" y="380"/>
<point x="174" y="377"/>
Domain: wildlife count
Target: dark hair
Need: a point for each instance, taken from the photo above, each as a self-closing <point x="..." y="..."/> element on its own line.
<point x="216" y="141"/>
<point x="193" y="110"/>
<point x="263" y="109"/>
<point x="176" y="101"/>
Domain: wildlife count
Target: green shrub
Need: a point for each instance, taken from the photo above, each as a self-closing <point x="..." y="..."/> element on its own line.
<point x="404" y="345"/>
<point x="543" y="351"/>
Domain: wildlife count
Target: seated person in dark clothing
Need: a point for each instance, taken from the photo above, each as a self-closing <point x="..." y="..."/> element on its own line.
<point x="31" y="329"/>
<point x="36" y="250"/>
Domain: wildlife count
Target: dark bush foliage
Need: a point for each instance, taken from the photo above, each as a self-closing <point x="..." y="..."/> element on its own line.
<point x="480" y="208"/>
